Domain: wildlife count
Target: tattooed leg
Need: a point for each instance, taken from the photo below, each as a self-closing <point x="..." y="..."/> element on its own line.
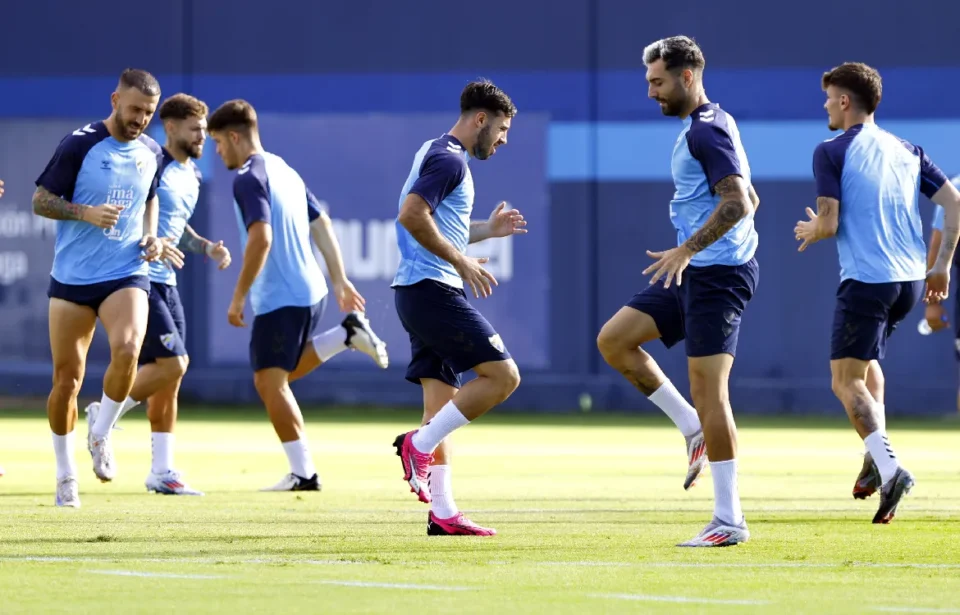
<point x="850" y="387"/>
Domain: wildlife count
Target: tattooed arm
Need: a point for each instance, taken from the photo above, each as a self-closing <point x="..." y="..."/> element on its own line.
<point x="192" y="242"/>
<point x="949" y="198"/>
<point x="735" y="205"/>
<point x="48" y="205"/>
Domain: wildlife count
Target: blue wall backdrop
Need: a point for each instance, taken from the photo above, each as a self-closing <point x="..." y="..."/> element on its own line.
<point x="348" y="92"/>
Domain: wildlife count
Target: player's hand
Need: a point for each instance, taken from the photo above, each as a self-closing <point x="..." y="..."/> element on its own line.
<point x="1" y="187"/>
<point x="103" y="216"/>
<point x="938" y="284"/>
<point x="936" y="316"/>
<point x="220" y="254"/>
<point x="669" y="264"/>
<point x="170" y="254"/>
<point x="151" y="248"/>
<point x="505" y="222"/>
<point x="348" y="298"/>
<point x="476" y="277"/>
<point x="235" y="312"/>
<point x="806" y="231"/>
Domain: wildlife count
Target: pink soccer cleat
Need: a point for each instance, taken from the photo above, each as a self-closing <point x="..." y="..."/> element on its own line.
<point x="457" y="525"/>
<point x="416" y="465"/>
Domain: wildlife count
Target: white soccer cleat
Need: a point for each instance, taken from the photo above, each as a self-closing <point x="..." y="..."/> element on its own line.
<point x="100" y="450"/>
<point x="169" y="484"/>
<point x="696" y="458"/>
<point x="292" y="482"/>
<point x="92" y="410"/>
<point x="360" y="336"/>
<point x="719" y="534"/>
<point x="102" y="453"/>
<point x="68" y="492"/>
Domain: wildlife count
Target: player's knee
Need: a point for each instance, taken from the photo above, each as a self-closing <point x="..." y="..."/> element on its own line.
<point x="178" y="367"/>
<point x="609" y="344"/>
<point x="269" y="383"/>
<point x="125" y="352"/>
<point x="503" y="376"/>
<point x="66" y="380"/>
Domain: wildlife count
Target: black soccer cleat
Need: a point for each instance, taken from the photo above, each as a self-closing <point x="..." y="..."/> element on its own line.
<point x="891" y="494"/>
<point x="292" y="482"/>
<point x="868" y="481"/>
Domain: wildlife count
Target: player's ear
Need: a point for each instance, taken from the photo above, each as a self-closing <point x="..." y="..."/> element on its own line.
<point x="481" y="118"/>
<point x="114" y="99"/>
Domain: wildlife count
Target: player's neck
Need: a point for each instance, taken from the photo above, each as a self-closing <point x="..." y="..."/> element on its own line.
<point x="178" y="155"/>
<point x="251" y="149"/>
<point x="856" y="120"/>
<point x="698" y="101"/>
<point x="460" y="133"/>
<point x="115" y="131"/>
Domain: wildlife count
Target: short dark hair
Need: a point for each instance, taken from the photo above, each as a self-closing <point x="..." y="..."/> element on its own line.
<point x="861" y="81"/>
<point x="483" y="95"/>
<point x="143" y="81"/>
<point x="181" y="106"/>
<point x="677" y="53"/>
<point x="233" y="114"/>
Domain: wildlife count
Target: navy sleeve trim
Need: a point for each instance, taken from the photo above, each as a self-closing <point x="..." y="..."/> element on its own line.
<point x="712" y="145"/>
<point x="440" y="174"/>
<point x="251" y="192"/>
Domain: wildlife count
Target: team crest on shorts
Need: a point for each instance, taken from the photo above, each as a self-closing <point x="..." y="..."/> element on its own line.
<point x="169" y="340"/>
<point x="496" y="342"/>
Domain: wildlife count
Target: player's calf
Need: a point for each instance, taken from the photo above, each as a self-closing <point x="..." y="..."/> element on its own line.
<point x="287" y="420"/>
<point x="495" y="382"/>
<point x="849" y="385"/>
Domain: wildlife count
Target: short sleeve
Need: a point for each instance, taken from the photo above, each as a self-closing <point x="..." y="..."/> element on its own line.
<point x="155" y="183"/>
<point x="440" y="174"/>
<point x="937" y="223"/>
<point x="713" y="147"/>
<point x="60" y="175"/>
<point x="931" y="177"/>
<point x="252" y="196"/>
<point x="826" y="173"/>
<point x="314" y="206"/>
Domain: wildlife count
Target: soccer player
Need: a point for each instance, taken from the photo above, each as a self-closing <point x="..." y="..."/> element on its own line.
<point x="100" y="186"/>
<point x="448" y="335"/>
<point x="936" y="314"/>
<point x="277" y="214"/>
<point x="868" y="187"/>
<point x="707" y="282"/>
<point x="163" y="358"/>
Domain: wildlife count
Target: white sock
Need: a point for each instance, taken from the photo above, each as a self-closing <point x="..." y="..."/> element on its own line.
<point x="441" y="493"/>
<point x="726" y="494"/>
<point x="162" y="452"/>
<point x="428" y="437"/>
<point x="108" y="415"/>
<point x="128" y="405"/>
<point x="879" y="447"/>
<point x="683" y="415"/>
<point x="63" y="448"/>
<point x="881" y="423"/>
<point x="330" y="343"/>
<point x="298" y="454"/>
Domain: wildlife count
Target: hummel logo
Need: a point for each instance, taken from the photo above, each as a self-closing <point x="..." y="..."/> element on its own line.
<point x="708" y="116"/>
<point x="86" y="130"/>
